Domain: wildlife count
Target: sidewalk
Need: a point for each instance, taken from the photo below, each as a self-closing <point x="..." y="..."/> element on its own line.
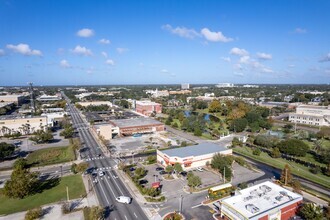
<point x="311" y="197"/>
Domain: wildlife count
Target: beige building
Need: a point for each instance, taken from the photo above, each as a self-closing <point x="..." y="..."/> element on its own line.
<point x="24" y="125"/>
<point x="105" y="130"/>
<point x="96" y="103"/>
<point x="311" y="115"/>
<point x="17" y="99"/>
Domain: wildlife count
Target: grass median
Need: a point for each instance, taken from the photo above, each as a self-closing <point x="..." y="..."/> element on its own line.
<point x="50" y="195"/>
<point x="50" y="156"/>
<point x="296" y="169"/>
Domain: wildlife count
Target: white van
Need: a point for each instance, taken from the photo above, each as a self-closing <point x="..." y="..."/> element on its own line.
<point x="124" y="199"/>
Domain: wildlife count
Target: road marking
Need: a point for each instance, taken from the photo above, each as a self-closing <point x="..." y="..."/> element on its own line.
<point x="110" y="188"/>
<point x="135" y="215"/>
<point x="196" y="206"/>
<point x="126" y="217"/>
<point x="117" y="185"/>
<point x="105" y="196"/>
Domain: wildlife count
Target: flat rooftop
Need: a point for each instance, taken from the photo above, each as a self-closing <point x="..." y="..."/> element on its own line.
<point x="313" y="107"/>
<point x="146" y="103"/>
<point x="261" y="198"/>
<point x="11" y="117"/>
<point x="135" y="122"/>
<point x="196" y="150"/>
<point x="4" y="104"/>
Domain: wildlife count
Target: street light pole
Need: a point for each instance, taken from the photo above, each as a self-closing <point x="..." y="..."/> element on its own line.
<point x="180" y="204"/>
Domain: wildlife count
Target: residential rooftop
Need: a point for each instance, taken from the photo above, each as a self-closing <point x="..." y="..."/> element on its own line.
<point x="135" y="122"/>
<point x="195" y="150"/>
<point x="260" y="198"/>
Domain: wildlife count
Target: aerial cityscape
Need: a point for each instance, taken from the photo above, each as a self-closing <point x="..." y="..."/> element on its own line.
<point x="164" y="110"/>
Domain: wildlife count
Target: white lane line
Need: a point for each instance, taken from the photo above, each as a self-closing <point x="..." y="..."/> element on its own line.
<point x="116" y="184"/>
<point x="110" y="188"/>
<point x="135" y="215"/>
<point x="105" y="196"/>
<point x="126" y="217"/>
<point x="196" y="206"/>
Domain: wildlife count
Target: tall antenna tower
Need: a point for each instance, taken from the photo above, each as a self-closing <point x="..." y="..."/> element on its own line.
<point x="33" y="106"/>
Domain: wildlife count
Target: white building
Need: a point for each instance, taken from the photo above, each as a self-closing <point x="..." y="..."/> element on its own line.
<point x="46" y="98"/>
<point x="250" y="86"/>
<point x="209" y="94"/>
<point x="54" y="117"/>
<point x="311" y="115"/>
<point x="224" y="85"/>
<point x="263" y="201"/>
<point x="158" y="93"/>
<point x="192" y="156"/>
<point x="24" y="125"/>
<point x="96" y="103"/>
<point x="185" y="86"/>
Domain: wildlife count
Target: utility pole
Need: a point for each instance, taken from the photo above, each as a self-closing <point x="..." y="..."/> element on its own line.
<point x="224" y="175"/>
<point x="286" y="176"/>
<point x="180" y="204"/>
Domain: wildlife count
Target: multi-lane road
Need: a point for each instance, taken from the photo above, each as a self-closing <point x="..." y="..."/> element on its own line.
<point x="109" y="186"/>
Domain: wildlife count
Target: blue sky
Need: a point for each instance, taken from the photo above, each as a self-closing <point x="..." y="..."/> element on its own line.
<point x="67" y="42"/>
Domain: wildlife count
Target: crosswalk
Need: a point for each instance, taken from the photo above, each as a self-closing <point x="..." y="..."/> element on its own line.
<point x="93" y="158"/>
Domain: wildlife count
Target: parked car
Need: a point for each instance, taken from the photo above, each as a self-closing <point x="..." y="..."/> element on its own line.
<point x="137" y="135"/>
<point x="132" y="169"/>
<point x="184" y="173"/>
<point x="163" y="172"/>
<point x="159" y="168"/>
<point x="200" y="169"/>
<point x="124" y="199"/>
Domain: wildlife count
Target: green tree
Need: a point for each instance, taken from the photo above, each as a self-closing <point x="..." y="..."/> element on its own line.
<point x="236" y="142"/>
<point x="96" y="212"/>
<point x="294" y="147"/>
<point x="140" y="172"/>
<point x="254" y="127"/>
<point x="33" y="214"/>
<point x="223" y="164"/>
<point x="311" y="211"/>
<point x="275" y="153"/>
<point x="151" y="159"/>
<point x="74" y="168"/>
<point x="21" y="162"/>
<point x="6" y="150"/>
<point x="22" y="183"/>
<point x="194" y="181"/>
<point x="296" y="186"/>
<point x="68" y="131"/>
<point x="81" y="167"/>
<point x="42" y="136"/>
<point x="238" y="125"/>
<point x="198" y="131"/>
<point x="178" y="167"/>
<point x="252" y="117"/>
<point x="286" y="176"/>
<point x="169" y="169"/>
<point x="256" y="152"/>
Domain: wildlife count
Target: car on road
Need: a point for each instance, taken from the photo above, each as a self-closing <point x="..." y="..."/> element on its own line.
<point x="101" y="173"/>
<point x="200" y="169"/>
<point x="159" y="168"/>
<point x="94" y="174"/>
<point x="183" y="173"/>
<point x="124" y="199"/>
<point x="163" y="172"/>
<point x="137" y="135"/>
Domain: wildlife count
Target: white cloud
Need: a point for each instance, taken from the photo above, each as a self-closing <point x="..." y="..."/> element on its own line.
<point x="24" y="49"/>
<point x="104" y="41"/>
<point x="181" y="31"/>
<point x="122" y="50"/>
<point x="85" y="32"/>
<point x="238" y="66"/>
<point x="104" y="54"/>
<point x="300" y="31"/>
<point x="215" y="36"/>
<point x="325" y="58"/>
<point x="82" y="51"/>
<point x="245" y="59"/>
<point x="2" y="52"/>
<point x="164" y="71"/>
<point x="238" y="52"/>
<point x="266" y="70"/>
<point x="110" y="62"/>
<point x="264" y="56"/>
<point x="227" y="59"/>
<point x="64" y="64"/>
<point x="239" y="74"/>
<point x="291" y="65"/>
<point x="141" y="64"/>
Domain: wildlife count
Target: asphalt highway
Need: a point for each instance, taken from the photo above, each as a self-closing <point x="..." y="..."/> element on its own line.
<point x="109" y="186"/>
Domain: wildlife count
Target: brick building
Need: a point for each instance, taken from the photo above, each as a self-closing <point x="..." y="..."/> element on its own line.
<point x="148" y="107"/>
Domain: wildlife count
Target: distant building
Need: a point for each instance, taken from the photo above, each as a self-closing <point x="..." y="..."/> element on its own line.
<point x="46" y="98"/>
<point x="192" y="156"/>
<point x="185" y="86"/>
<point x="250" y="86"/>
<point x="261" y="202"/>
<point x="105" y="130"/>
<point x="147" y="107"/>
<point x="158" y="93"/>
<point x="128" y="127"/>
<point x="24" y="125"/>
<point x="311" y="115"/>
<point x="288" y="98"/>
<point x="83" y="95"/>
<point x="272" y="104"/>
<point x="224" y="85"/>
<point x="95" y="103"/>
<point x="17" y="99"/>
<point x="180" y="92"/>
<point x="209" y="94"/>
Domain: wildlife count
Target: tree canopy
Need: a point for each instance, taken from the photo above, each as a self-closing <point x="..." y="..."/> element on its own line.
<point x="293" y="147"/>
<point x="6" y="150"/>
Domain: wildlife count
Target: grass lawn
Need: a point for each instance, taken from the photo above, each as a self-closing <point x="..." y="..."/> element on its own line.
<point x="326" y="144"/>
<point x="296" y="169"/>
<point x="52" y="155"/>
<point x="55" y="194"/>
<point x="178" y="122"/>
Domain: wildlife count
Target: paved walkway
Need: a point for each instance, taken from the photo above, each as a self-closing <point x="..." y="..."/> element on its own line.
<point x="311" y="198"/>
<point x="184" y="134"/>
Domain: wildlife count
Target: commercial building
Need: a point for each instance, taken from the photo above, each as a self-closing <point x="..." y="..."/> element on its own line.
<point x="49" y="98"/>
<point x="24" y="125"/>
<point x="185" y="86"/>
<point x="157" y="93"/>
<point x="311" y="115"/>
<point x="180" y="92"/>
<point x="224" y="85"/>
<point x="95" y="103"/>
<point x="17" y="99"/>
<point x="105" y="130"/>
<point x="147" y="107"/>
<point x="192" y="156"/>
<point x="261" y="202"/>
<point x="53" y="117"/>
<point x="127" y="127"/>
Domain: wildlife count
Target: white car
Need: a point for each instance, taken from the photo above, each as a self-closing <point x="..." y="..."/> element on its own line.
<point x="101" y="173"/>
<point x="200" y="169"/>
<point x="124" y="199"/>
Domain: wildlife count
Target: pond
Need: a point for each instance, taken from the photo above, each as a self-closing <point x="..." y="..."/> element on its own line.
<point x="207" y="117"/>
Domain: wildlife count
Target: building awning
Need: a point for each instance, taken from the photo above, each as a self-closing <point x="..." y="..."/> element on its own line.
<point x="155" y="185"/>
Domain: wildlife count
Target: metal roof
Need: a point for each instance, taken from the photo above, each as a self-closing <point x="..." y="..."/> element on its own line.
<point x="135" y="122"/>
<point x="196" y="150"/>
